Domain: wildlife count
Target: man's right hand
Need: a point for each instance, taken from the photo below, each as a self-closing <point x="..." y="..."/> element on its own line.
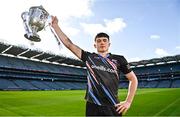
<point x="54" y="22"/>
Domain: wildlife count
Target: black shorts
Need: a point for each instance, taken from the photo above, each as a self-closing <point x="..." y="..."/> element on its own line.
<point x="96" y="110"/>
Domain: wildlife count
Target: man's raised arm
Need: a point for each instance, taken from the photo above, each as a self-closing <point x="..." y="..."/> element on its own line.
<point x="64" y="39"/>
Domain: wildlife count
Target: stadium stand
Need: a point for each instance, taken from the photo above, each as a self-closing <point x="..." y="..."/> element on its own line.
<point x="25" y="69"/>
<point x="159" y="72"/>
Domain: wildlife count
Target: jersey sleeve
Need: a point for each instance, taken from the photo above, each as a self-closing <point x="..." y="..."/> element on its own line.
<point x="124" y="66"/>
<point x="84" y="55"/>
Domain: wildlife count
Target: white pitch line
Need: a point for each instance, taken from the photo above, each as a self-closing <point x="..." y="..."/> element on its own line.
<point x="166" y="107"/>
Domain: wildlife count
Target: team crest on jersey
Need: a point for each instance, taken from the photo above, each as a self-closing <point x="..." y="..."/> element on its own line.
<point x="114" y="61"/>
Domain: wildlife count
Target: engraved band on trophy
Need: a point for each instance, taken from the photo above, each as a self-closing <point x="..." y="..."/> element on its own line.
<point x="34" y="21"/>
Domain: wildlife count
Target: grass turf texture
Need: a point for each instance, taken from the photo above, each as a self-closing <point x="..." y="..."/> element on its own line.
<point x="148" y="102"/>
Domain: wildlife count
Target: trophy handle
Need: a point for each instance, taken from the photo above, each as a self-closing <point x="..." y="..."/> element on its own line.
<point x="25" y="19"/>
<point x="29" y="32"/>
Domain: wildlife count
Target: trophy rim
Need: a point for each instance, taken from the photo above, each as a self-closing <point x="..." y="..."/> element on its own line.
<point x="39" y="7"/>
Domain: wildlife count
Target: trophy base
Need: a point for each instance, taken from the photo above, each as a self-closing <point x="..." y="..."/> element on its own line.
<point x="33" y="38"/>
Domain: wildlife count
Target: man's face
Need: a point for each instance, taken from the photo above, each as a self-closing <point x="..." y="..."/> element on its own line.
<point x="102" y="44"/>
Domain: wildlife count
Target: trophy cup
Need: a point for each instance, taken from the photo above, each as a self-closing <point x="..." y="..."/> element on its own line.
<point x="34" y="21"/>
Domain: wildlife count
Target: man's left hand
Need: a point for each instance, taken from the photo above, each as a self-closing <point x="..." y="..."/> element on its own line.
<point x="122" y="107"/>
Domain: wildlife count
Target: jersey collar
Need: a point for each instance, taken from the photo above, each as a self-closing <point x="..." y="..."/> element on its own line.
<point x="107" y="55"/>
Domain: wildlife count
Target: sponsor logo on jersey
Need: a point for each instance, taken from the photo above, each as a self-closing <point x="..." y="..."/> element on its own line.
<point x="102" y="68"/>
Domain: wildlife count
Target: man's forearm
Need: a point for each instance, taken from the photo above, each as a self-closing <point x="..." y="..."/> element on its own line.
<point x="132" y="88"/>
<point x="63" y="38"/>
<point x="125" y="105"/>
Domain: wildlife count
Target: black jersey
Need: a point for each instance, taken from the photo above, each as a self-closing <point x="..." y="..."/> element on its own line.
<point x="103" y="77"/>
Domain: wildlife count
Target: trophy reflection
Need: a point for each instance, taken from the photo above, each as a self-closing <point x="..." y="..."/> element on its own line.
<point x="34" y="21"/>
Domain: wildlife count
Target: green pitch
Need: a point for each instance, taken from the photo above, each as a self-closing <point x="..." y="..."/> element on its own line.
<point x="148" y="102"/>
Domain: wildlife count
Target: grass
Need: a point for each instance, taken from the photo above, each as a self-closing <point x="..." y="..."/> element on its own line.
<point x="156" y="102"/>
<point x="148" y="102"/>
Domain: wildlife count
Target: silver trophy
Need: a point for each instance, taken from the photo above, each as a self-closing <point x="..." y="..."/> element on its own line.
<point x="34" y="21"/>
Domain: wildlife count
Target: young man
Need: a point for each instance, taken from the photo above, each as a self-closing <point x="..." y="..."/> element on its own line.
<point x="103" y="69"/>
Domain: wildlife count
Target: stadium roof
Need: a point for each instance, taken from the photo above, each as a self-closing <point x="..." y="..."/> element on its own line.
<point x="156" y="61"/>
<point x="7" y="49"/>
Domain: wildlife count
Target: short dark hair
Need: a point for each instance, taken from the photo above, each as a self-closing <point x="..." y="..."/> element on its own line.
<point x="101" y="34"/>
